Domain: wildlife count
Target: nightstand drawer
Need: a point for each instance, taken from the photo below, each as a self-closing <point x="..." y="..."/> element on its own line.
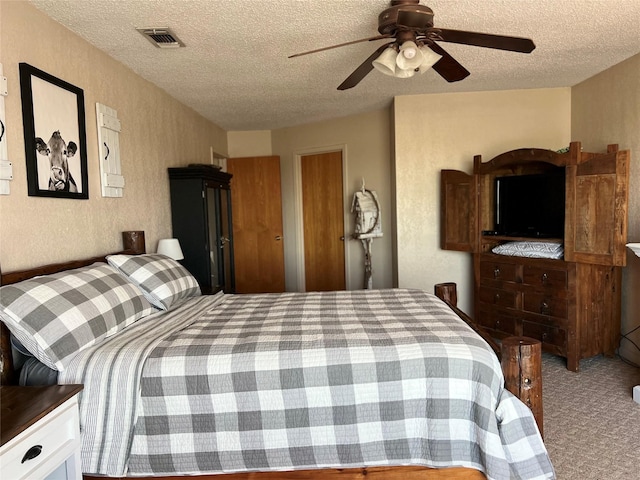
<point x="545" y="277"/>
<point x="50" y="441"/>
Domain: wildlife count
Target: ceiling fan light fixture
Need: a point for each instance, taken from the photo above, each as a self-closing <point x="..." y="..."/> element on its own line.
<point x="386" y="62"/>
<point x="429" y="58"/>
<point x="409" y="57"/>
<point x="400" y="73"/>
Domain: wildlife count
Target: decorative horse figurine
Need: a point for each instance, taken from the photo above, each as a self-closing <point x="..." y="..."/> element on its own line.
<point x="58" y="151"/>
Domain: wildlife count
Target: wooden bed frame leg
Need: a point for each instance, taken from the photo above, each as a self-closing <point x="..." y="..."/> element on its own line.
<point x="522" y="367"/>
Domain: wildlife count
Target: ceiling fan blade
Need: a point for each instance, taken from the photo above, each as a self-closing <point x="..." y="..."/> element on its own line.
<point x="378" y="37"/>
<point x="448" y="67"/>
<point x="363" y="70"/>
<point x="501" y="42"/>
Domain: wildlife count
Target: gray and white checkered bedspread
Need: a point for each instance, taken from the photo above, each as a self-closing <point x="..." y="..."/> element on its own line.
<point x="314" y="380"/>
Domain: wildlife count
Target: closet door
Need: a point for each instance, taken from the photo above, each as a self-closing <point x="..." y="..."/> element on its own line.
<point x="323" y="221"/>
<point x="257" y="224"/>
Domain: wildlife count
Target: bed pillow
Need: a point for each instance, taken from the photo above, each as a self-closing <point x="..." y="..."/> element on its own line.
<point x="162" y="280"/>
<point x="55" y="316"/>
<point x="531" y="249"/>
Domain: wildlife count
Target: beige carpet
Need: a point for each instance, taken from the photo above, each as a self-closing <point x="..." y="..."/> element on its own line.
<point x="591" y="423"/>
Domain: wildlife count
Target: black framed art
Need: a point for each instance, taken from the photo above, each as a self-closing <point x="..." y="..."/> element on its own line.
<point x="55" y="140"/>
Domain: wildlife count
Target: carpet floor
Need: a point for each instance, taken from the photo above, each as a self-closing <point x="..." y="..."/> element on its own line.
<point x="591" y="423"/>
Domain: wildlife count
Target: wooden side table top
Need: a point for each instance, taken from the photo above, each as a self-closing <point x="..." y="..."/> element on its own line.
<point x="21" y="407"/>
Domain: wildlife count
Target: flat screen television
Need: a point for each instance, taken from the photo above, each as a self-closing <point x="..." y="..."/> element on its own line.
<point x="530" y="205"/>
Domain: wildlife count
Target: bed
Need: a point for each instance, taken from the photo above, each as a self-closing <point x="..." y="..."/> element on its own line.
<point x="383" y="384"/>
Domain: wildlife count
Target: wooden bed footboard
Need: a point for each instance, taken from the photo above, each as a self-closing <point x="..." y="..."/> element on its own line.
<point x="371" y="473"/>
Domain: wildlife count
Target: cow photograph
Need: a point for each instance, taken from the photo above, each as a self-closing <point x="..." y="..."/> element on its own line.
<point x="58" y="152"/>
<point x="55" y="136"/>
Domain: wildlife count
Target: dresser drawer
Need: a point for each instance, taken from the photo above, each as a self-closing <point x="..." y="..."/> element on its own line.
<point x="498" y="271"/>
<point x="56" y="436"/>
<point x="498" y="320"/>
<point x="546" y="334"/>
<point x="495" y="296"/>
<point x="541" y="277"/>
<point x="544" y="304"/>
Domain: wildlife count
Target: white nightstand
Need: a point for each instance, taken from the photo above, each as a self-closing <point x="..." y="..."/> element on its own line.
<point x="40" y="433"/>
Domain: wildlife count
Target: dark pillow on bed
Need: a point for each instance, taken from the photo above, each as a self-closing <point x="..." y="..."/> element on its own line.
<point x="162" y="280"/>
<point x="55" y="316"/>
<point x="36" y="373"/>
<point x="31" y="370"/>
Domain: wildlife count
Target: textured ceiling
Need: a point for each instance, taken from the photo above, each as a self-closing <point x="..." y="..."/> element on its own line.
<point x="235" y="71"/>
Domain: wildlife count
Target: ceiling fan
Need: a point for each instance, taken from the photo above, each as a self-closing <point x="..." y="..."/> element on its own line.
<point x="414" y="48"/>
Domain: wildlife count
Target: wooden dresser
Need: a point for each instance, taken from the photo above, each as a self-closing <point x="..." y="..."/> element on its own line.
<point x="571" y="305"/>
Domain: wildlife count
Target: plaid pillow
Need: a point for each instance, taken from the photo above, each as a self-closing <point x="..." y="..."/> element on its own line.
<point x="55" y="316"/>
<point x="162" y="280"/>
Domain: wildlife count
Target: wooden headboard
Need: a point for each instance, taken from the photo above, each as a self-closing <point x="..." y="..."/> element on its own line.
<point x="133" y="244"/>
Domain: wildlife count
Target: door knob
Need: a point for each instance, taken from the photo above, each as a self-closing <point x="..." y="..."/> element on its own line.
<point x="342" y="238"/>
<point x="278" y="238"/>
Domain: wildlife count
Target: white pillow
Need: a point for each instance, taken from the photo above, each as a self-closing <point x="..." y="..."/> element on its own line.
<point x="531" y="249"/>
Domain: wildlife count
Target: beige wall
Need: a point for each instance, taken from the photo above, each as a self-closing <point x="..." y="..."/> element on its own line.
<point x="366" y="140"/>
<point x="255" y="143"/>
<point x="445" y="131"/>
<point x="157" y="132"/>
<point x="606" y="109"/>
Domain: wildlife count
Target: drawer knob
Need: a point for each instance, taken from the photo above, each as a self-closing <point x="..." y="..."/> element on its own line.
<point x="496" y="298"/>
<point x="496" y="272"/>
<point x="544" y="307"/>
<point x="32" y="453"/>
<point x="545" y="277"/>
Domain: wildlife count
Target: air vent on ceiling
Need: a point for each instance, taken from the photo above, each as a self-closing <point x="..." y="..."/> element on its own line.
<point x="161" y="37"/>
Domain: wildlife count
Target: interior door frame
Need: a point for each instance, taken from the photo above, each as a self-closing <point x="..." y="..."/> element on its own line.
<point x="299" y="222"/>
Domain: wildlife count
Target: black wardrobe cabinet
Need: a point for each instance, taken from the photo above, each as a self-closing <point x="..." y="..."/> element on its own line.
<point x="201" y="217"/>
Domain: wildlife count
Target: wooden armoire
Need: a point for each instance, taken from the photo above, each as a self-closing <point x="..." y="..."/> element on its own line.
<point x="572" y="305"/>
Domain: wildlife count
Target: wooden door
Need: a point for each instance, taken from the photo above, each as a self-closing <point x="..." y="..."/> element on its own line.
<point x="323" y="221"/>
<point x="256" y="201"/>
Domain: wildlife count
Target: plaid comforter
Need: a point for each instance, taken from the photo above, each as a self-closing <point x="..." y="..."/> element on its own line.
<point x="300" y="381"/>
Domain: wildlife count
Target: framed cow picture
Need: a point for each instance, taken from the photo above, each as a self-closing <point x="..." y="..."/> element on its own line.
<point x="54" y="135"/>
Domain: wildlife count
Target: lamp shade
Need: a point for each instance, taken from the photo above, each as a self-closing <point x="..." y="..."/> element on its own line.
<point x="171" y="248"/>
<point x="409" y="57"/>
<point x="635" y="248"/>
<point x="429" y="58"/>
<point x="386" y="62"/>
<point x="400" y="73"/>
